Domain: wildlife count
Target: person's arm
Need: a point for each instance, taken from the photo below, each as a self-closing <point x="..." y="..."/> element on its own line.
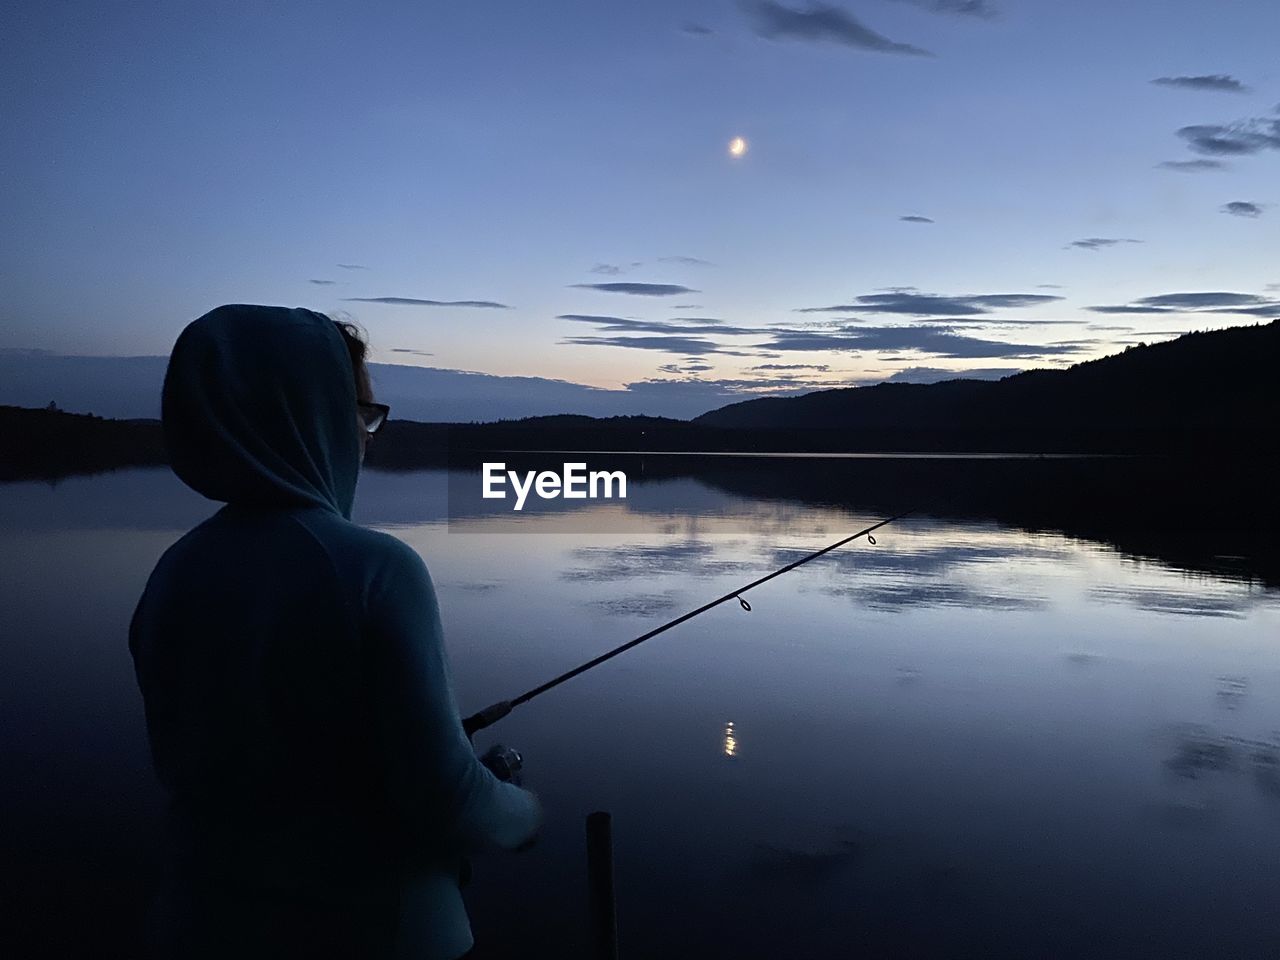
<point x="443" y="792"/>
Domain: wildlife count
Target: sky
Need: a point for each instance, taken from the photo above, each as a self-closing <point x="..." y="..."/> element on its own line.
<point x="929" y="188"/>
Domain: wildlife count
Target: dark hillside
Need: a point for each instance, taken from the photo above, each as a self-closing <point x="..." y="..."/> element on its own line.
<point x="1221" y="384"/>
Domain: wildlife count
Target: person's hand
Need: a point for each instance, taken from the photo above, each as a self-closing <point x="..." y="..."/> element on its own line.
<point x="504" y="763"/>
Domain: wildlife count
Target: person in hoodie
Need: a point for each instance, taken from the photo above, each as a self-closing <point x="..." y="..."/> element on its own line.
<point x="323" y="793"/>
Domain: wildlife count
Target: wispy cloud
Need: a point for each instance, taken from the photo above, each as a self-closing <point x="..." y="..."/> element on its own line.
<point x="937" y="340"/>
<point x="323" y="283"/>
<point x="820" y="23"/>
<point x="689" y="366"/>
<point x="912" y="303"/>
<point x="637" y="289"/>
<point x="682" y="345"/>
<point x="966" y="8"/>
<point x="696" y="29"/>
<point x="677" y="325"/>
<point x="415" y="302"/>
<point x="420" y="353"/>
<point x="352" y="266"/>
<point x="1192" y="166"/>
<point x="1130" y="308"/>
<point x="1242" y="208"/>
<point x="1211" y="81"/>
<point x="1201" y="300"/>
<point x="938" y="374"/>
<point x="822" y="367"/>
<point x="915" y="219"/>
<point x="736" y="388"/>
<point x="607" y="269"/>
<point x="1099" y="243"/>
<point x="687" y="261"/>
<point x="1212" y="301"/>
<point x="1242" y="138"/>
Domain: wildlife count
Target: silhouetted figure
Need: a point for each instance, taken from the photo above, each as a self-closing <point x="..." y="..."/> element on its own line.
<point x="323" y="792"/>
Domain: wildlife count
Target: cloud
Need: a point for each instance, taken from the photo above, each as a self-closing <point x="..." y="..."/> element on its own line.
<point x="1213" y="301"/>
<point x="323" y="283"/>
<point x="1192" y="166"/>
<point x="686" y="306"/>
<point x="1048" y="286"/>
<point x="687" y="261"/>
<point x="420" y="353"/>
<point x="637" y="289"/>
<point x="1129" y="308"/>
<point x="686" y="367"/>
<point x="735" y="389"/>
<point x="352" y="266"/>
<point x="939" y="340"/>
<point x="607" y="269"/>
<point x="967" y="8"/>
<point x="696" y="29"/>
<point x="1198" y="301"/>
<point x="687" y="345"/>
<point x="912" y="303"/>
<point x="414" y="302"/>
<point x="1242" y="208"/>
<point x="938" y="374"/>
<point x="680" y="326"/>
<point x="1210" y="81"/>
<point x="820" y="23"/>
<point x="1241" y="138"/>
<point x="1265" y="310"/>
<point x="822" y="367"/>
<point x="1097" y="243"/>
<point x="914" y="219"/>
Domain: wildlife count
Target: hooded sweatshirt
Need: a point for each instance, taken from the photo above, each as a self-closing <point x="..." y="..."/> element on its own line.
<point x="322" y="790"/>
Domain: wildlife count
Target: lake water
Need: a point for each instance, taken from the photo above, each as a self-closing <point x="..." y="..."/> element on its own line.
<point x="969" y="740"/>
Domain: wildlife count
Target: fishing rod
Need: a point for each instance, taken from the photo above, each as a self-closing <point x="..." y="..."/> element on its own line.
<point x="495" y="712"/>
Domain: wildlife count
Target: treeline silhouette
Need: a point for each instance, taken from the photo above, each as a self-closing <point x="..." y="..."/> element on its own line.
<point x="48" y="443"/>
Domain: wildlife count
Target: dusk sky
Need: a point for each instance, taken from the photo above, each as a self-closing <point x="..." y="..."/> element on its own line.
<point x="951" y="185"/>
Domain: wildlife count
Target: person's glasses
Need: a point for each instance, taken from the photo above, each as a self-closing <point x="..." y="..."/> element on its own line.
<point x="373" y="415"/>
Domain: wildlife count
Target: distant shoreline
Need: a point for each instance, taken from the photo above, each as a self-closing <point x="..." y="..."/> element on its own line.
<point x="832" y="455"/>
<point x="47" y="443"/>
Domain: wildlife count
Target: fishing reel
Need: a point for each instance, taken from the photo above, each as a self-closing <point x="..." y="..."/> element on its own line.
<point x="504" y="763"/>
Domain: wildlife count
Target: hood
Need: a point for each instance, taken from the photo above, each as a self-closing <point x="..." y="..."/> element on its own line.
<point x="259" y="407"/>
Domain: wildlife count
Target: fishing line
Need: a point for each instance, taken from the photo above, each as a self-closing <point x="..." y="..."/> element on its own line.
<point x="495" y="712"/>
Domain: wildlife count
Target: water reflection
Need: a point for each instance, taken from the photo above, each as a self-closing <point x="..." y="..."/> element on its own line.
<point x="950" y="732"/>
<point x="702" y="559"/>
<point x="783" y="865"/>
<point x="1203" y="600"/>
<point x="730" y="740"/>
<point x="1232" y="692"/>
<point x="637" y="605"/>
<point x="914" y="567"/>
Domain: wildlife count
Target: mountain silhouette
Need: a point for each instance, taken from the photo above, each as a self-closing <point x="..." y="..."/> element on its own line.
<point x="1218" y="386"/>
